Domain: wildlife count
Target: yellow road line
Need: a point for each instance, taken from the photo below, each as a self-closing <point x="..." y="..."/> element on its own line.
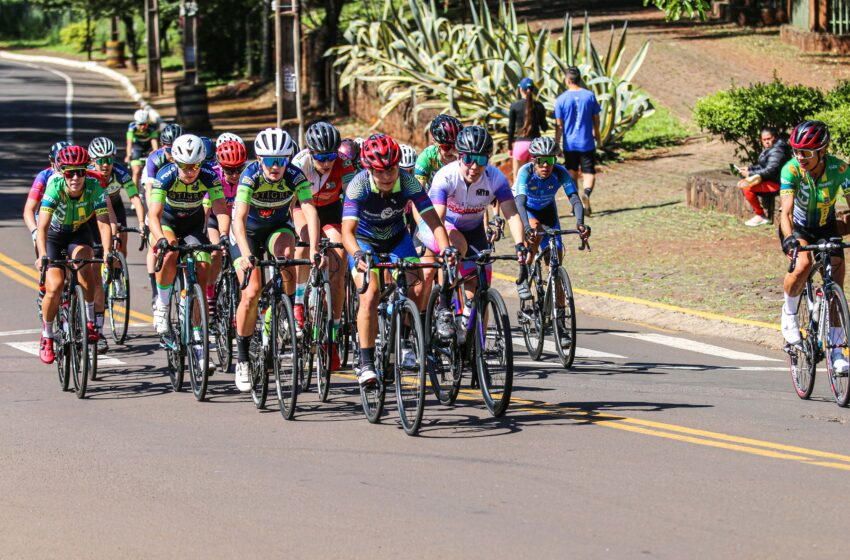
<point x="664" y="306"/>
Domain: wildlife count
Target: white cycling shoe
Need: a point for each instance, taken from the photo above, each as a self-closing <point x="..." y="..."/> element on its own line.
<point x="243" y="376"/>
<point x="791" y="328"/>
<point x="160" y="318"/>
<point x="840" y="365"/>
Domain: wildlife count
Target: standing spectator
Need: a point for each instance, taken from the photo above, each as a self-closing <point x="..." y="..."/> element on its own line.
<point x="526" y="120"/>
<point x="577" y="117"/>
<point x="764" y="176"/>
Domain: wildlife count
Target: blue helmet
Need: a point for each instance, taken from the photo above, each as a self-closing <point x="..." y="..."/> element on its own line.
<point x="209" y="146"/>
<point x="55" y="148"/>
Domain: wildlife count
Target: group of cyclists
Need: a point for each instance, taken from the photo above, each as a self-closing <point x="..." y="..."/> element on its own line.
<point x="372" y="197"/>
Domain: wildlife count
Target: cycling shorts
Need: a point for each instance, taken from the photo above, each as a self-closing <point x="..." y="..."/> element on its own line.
<point x="813" y="235"/>
<point x="67" y="241"/>
<point x="399" y="248"/>
<point x="188" y="228"/>
<point x="261" y="240"/>
<point x="584" y="160"/>
<point x="476" y="238"/>
<point x="139" y="153"/>
<point x="330" y="215"/>
<point x="120" y="211"/>
<point x="548" y="216"/>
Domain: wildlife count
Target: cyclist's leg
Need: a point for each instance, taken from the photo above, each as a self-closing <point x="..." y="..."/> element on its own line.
<point x="246" y="312"/>
<point x="54" y="278"/>
<point x="121" y="216"/>
<point x="367" y="313"/>
<point x="793" y="285"/>
<point x="281" y="243"/>
<point x="336" y="270"/>
<point x="301" y="271"/>
<point x="215" y="258"/>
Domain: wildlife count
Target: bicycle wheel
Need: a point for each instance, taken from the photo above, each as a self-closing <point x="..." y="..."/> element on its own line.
<point x="259" y="365"/>
<point x="564" y="327"/>
<point x="494" y="356"/>
<point x="835" y="343"/>
<point x="199" y="341"/>
<point x="118" y="298"/>
<point x="530" y="317"/>
<point x="174" y="350"/>
<point x="347" y="322"/>
<point x="92" y="362"/>
<point x="224" y="330"/>
<point x="801" y="358"/>
<point x="409" y="369"/>
<point x="322" y="314"/>
<point x="444" y="360"/>
<point x="62" y="348"/>
<point x="284" y="344"/>
<point x="305" y="353"/>
<point x="79" y="342"/>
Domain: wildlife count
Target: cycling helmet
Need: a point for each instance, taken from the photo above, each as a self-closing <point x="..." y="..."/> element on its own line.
<point x="209" y="148"/>
<point x="359" y="141"/>
<point x="380" y="152"/>
<point x="350" y="150"/>
<point x="55" y="148"/>
<point x="543" y="147"/>
<point x="322" y="138"/>
<point x="445" y="128"/>
<point x="809" y="135"/>
<point x="225" y="136"/>
<point x="170" y="133"/>
<point x="474" y="140"/>
<point x="188" y="149"/>
<point x="408" y="156"/>
<point x="274" y="142"/>
<point x="231" y="154"/>
<point x="141" y="116"/>
<point x="72" y="156"/>
<point x="101" y="147"/>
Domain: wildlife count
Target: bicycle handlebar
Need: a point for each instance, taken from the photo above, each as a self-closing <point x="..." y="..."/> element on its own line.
<point x="834" y="244"/>
<point x="68" y="263"/>
<point x="401" y="265"/>
<point x="275" y="262"/>
<point x="552" y="232"/>
<point x="184" y="249"/>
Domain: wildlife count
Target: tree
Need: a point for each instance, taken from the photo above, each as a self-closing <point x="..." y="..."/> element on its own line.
<point x="319" y="40"/>
<point x="675" y="9"/>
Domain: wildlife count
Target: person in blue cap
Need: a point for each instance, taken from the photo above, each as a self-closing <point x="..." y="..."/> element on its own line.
<point x="526" y="119"/>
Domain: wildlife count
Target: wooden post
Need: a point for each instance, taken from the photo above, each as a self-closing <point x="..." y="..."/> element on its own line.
<point x="296" y="40"/>
<point x="278" y="59"/>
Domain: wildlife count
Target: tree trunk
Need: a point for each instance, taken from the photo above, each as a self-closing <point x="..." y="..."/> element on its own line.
<point x="320" y="41"/>
<point x="265" y="42"/>
<point x="89" y="39"/>
<point x="130" y="33"/>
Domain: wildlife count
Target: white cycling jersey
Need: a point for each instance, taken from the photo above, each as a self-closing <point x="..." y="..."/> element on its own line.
<point x="465" y="204"/>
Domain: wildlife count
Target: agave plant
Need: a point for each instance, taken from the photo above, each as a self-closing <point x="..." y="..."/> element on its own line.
<point x="418" y="57"/>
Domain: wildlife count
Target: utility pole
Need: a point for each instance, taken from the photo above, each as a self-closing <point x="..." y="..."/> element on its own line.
<point x="288" y="64"/>
<point x="189" y="12"/>
<point x="278" y="59"/>
<point x="296" y="39"/>
<point x="153" y="76"/>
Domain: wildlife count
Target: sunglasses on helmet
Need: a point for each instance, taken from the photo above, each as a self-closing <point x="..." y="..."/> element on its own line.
<point x="189" y="166"/>
<point x="325" y="157"/>
<point x="480" y="159"/>
<point x="104" y="161"/>
<point x="275" y="161"/>
<point x="74" y="172"/>
<point x="545" y="160"/>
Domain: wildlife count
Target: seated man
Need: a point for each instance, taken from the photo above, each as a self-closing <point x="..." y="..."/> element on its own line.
<point x="764" y="176"/>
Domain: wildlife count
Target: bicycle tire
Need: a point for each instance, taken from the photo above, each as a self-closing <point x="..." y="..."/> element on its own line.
<point x="530" y="318"/>
<point x="445" y="364"/>
<point x="93" y="353"/>
<point x="568" y="354"/>
<point x="259" y="365"/>
<point x="119" y="314"/>
<point x="79" y="342"/>
<point x="349" y="320"/>
<point x="284" y="346"/>
<point x="840" y="384"/>
<point x="224" y="330"/>
<point x="323" y="316"/>
<point x="196" y="312"/>
<point x="305" y="354"/>
<point x="802" y="359"/>
<point x="62" y="349"/>
<point x="410" y="382"/>
<point x="495" y="389"/>
<point x="173" y="347"/>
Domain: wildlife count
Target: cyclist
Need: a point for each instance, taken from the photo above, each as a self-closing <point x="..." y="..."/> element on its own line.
<point x="811" y="184"/>
<point x="71" y="200"/>
<point x="176" y="213"/>
<point x="142" y="138"/>
<point x="328" y="175"/>
<point x="350" y="151"/>
<point x="373" y="221"/>
<point x="36" y="192"/>
<point x="408" y="158"/>
<point x="225" y="136"/>
<point x="444" y="130"/>
<point x="461" y="192"/>
<point x="262" y="221"/>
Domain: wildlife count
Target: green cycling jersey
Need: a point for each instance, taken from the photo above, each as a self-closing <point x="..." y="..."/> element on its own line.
<point x="69" y="214"/>
<point x="427" y="164"/>
<point x="814" y="201"/>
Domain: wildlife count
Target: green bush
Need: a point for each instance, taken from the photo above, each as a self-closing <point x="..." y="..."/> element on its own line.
<point x="74" y="34"/>
<point x="838" y="120"/>
<point x="839" y="96"/>
<point x="737" y="115"/>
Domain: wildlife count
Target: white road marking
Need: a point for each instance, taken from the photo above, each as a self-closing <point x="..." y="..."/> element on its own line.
<point x="694" y="346"/>
<point x="69" y="98"/>
<point x="32" y="348"/>
<point x="549" y="346"/>
<point x="36" y="331"/>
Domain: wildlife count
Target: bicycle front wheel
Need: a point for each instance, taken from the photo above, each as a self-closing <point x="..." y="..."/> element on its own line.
<point x="173" y="348"/>
<point x="80" y="351"/>
<point x="409" y="367"/>
<point x="62" y="348"/>
<point x="530" y="318"/>
<point x="835" y="343"/>
<point x="801" y="358"/>
<point x="259" y="370"/>
<point x="284" y="344"/>
<point x="224" y="329"/>
<point x="494" y="357"/>
<point x="118" y="297"/>
<point x="564" y="318"/>
<point x="444" y="359"/>
<point x="322" y="320"/>
<point x="199" y="342"/>
<point x="348" y="323"/>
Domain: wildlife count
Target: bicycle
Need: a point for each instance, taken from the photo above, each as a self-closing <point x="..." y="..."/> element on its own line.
<point x="818" y="309"/>
<point x="543" y="310"/>
<point x="483" y="338"/>
<point x="188" y="321"/>
<point x="223" y="325"/>
<point x="116" y="287"/>
<point x="74" y="354"/>
<point x="347" y="333"/>
<point x="400" y="330"/>
<point x="280" y="343"/>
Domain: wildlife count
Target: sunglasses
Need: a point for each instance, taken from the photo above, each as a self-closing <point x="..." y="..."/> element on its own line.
<point x="804" y="154"/>
<point x="68" y="173"/>
<point x="232" y="170"/>
<point x="480" y="159"/>
<point x="189" y="166"/>
<point x="104" y="161"/>
<point x="325" y="157"/>
<point x="275" y="161"/>
<point x="447" y="147"/>
<point x="545" y="160"/>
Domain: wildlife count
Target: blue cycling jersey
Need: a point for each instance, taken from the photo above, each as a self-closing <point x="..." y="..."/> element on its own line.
<point x="541" y="193"/>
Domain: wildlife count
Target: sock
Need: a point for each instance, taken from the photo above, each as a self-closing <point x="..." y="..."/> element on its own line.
<point x="587" y="192"/>
<point x="163" y="294"/>
<point x="335" y="330"/>
<point x="243" y="346"/>
<point x="152" y="278"/>
<point x="367" y="357"/>
<point x="98" y="320"/>
<point x="445" y="298"/>
<point x="791" y="303"/>
<point x="47" y="330"/>
<point x="90" y="312"/>
<point x="299" y="293"/>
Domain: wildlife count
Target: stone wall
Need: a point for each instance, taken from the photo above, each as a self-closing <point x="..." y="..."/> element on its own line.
<point x="402" y="123"/>
<point x="718" y="190"/>
<point x="813" y="41"/>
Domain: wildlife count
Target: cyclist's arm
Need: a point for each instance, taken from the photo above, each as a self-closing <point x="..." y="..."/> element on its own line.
<point x="521" y="196"/>
<point x="219" y="207"/>
<point x="104" y="227"/>
<point x="578" y="208"/>
<point x="112" y="220"/>
<point x="509" y="209"/>
<point x="786" y="211"/>
<point x="30" y="210"/>
<point x="349" y="228"/>
<point x="240" y="219"/>
<point x="521" y="210"/>
<point x="435" y="223"/>
<point x="129" y="153"/>
<point x="154" y="144"/>
<point x="155" y="208"/>
<point x="44" y="217"/>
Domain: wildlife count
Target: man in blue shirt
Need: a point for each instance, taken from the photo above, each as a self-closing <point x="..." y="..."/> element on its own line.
<point x="577" y="117"/>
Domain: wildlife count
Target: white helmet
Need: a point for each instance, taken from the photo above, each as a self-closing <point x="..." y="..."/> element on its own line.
<point x="188" y="149"/>
<point x="274" y="142"/>
<point x="225" y="136"/>
<point x="408" y="156"/>
<point x="359" y="141"/>
<point x="141" y="116"/>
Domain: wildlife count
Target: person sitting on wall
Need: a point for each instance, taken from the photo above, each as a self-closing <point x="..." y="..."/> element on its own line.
<point x="764" y="176"/>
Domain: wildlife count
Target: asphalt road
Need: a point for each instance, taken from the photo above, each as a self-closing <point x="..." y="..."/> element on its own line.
<point x="656" y="444"/>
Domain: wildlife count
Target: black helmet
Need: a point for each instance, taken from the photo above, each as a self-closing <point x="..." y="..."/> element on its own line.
<point x="322" y="138"/>
<point x="809" y="135"/>
<point x="445" y="128"/>
<point x="474" y="140"/>
<point x="170" y="133"/>
<point x="55" y="149"/>
<point x="543" y="147"/>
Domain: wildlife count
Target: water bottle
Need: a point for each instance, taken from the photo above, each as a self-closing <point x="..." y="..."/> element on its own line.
<point x="816" y="306"/>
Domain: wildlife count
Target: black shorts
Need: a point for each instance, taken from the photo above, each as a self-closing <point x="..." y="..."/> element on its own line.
<point x="140" y="151"/>
<point x="813" y="235"/>
<point x="260" y="238"/>
<point x="95" y="237"/>
<point x="67" y="241"/>
<point x="547" y="216"/>
<point x="185" y="225"/>
<point x="330" y="214"/>
<point x="476" y="238"/>
<point x="120" y="211"/>
<point x="584" y="160"/>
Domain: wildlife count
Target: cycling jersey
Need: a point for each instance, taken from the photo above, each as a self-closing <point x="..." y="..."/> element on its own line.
<point x="70" y="214"/>
<point x="381" y="216"/>
<point x="427" y="164"/>
<point x="465" y="204"/>
<point x="180" y="198"/>
<point x="40" y="183"/>
<point x="327" y="188"/>
<point x="137" y="136"/>
<point x="271" y="201"/>
<point x="814" y="202"/>
<point x="156" y="161"/>
<point x="541" y="193"/>
<point x="118" y="179"/>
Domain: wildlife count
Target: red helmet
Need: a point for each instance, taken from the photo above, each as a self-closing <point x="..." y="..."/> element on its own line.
<point x="809" y="135"/>
<point x="444" y="129"/>
<point x="231" y="154"/>
<point x="380" y="152"/>
<point x="72" y="156"/>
